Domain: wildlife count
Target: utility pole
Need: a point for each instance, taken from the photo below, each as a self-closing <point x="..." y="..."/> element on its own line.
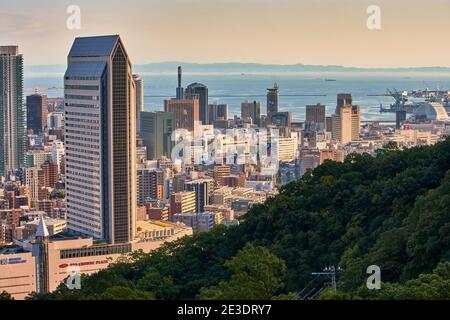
<point x="331" y="272"/>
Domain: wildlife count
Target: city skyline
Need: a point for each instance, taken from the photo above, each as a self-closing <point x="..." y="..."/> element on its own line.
<point x="306" y="32"/>
<point x="110" y="174"/>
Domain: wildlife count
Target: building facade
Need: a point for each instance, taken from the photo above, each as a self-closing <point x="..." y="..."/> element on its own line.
<point x="37" y="113"/>
<point x="100" y="134"/>
<point x="13" y="137"/>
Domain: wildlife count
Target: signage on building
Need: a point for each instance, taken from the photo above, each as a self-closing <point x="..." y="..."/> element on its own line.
<point x="84" y="263"/>
<point x="5" y="261"/>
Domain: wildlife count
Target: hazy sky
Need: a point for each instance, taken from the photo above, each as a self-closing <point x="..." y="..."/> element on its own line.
<point x="413" y="33"/>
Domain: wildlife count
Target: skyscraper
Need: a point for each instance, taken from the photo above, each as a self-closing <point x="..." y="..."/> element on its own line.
<point x="199" y="91"/>
<point x="251" y="110"/>
<point x="217" y="112"/>
<point x="139" y="87"/>
<point x="156" y="132"/>
<point x="100" y="133"/>
<point x="356" y="122"/>
<point x="315" y="115"/>
<point x="185" y="112"/>
<point x="272" y="99"/>
<point x="13" y="137"/>
<point x="180" y="90"/>
<point x="36" y="112"/>
<point x="346" y="119"/>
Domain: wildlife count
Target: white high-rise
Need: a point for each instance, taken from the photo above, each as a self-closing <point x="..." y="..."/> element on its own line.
<point x="100" y="133"/>
<point x="12" y="114"/>
<point x="139" y="85"/>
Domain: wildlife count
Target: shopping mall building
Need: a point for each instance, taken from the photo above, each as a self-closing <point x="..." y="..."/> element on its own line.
<point x="40" y="265"/>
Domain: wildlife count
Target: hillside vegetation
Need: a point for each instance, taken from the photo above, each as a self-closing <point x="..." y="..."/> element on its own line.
<point x="392" y="211"/>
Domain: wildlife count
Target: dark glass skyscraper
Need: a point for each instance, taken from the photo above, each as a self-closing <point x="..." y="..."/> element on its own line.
<point x="199" y="91"/>
<point x="272" y="99"/>
<point x="100" y="140"/>
<point x="36" y="112"/>
<point x="13" y="137"/>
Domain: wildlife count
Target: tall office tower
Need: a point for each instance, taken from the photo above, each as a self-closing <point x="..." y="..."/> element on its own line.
<point x="182" y="202"/>
<point x="36" y="112"/>
<point x="100" y="133"/>
<point x="150" y="185"/>
<point x="156" y="132"/>
<point x="342" y="119"/>
<point x="139" y="93"/>
<point x="13" y="137"/>
<point x="180" y="90"/>
<point x="344" y="99"/>
<point x="251" y="110"/>
<point x="356" y="122"/>
<point x="272" y="99"/>
<point x="315" y="115"/>
<point x="185" y="113"/>
<point x="203" y="189"/>
<point x="199" y="91"/>
<point x="217" y="112"/>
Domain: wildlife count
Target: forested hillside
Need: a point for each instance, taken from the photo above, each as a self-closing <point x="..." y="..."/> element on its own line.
<point x="392" y="211"/>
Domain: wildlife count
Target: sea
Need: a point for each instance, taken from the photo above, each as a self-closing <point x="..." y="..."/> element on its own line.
<point x="296" y="89"/>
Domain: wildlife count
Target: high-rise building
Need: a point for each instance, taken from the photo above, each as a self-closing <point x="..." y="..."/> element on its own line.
<point x="37" y="112"/>
<point x="342" y="124"/>
<point x="35" y="180"/>
<point x="217" y="112"/>
<point x="139" y="93"/>
<point x="272" y="99"/>
<point x="51" y="175"/>
<point x="156" y="132"/>
<point x="199" y="91"/>
<point x="356" y="122"/>
<point x="100" y="139"/>
<point x="344" y="99"/>
<point x="315" y="116"/>
<point x="251" y="110"/>
<point x="185" y="113"/>
<point x="150" y="185"/>
<point x="203" y="189"/>
<point x="13" y="138"/>
<point x="180" y="90"/>
<point x="57" y="153"/>
<point x="346" y="120"/>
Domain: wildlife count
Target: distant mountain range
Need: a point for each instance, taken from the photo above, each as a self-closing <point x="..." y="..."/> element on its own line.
<point x="243" y="67"/>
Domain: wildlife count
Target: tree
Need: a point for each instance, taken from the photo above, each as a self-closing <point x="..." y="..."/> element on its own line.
<point x="124" y="293"/>
<point x="5" y="296"/>
<point x="257" y="275"/>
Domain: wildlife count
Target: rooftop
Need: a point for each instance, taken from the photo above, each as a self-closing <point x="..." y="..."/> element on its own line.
<point x="97" y="46"/>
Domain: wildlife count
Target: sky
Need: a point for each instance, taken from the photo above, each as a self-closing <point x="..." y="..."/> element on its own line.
<point x="319" y="32"/>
